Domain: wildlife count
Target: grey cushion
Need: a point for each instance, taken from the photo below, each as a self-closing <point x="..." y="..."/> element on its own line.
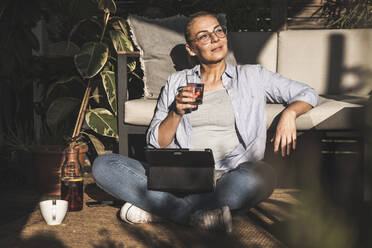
<point x="328" y="115"/>
<point x="162" y="46"/>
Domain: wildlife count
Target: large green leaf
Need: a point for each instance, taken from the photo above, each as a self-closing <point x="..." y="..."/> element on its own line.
<point x="107" y="6"/>
<point x="62" y="81"/>
<point x="102" y="121"/>
<point x="120" y="41"/>
<point x="91" y="58"/>
<point x="62" y="49"/>
<point x="100" y="148"/>
<point x="60" y="110"/>
<point x="81" y="24"/>
<point x="117" y="23"/>
<point x="108" y="80"/>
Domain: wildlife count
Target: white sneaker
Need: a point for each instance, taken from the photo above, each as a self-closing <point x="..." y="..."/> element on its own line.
<point x="217" y="219"/>
<point x="134" y="215"/>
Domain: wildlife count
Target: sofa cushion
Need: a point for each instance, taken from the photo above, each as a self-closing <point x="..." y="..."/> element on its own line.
<point x="255" y="48"/>
<point x="331" y="61"/>
<point x="162" y="48"/>
<point x="328" y="115"/>
<point x="139" y="111"/>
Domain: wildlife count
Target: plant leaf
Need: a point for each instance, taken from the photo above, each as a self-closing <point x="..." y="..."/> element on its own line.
<point x="61" y="109"/>
<point x="61" y="81"/>
<point x="91" y="58"/>
<point x="102" y="121"/>
<point x="77" y="25"/>
<point x="100" y="148"/>
<point x="118" y="24"/>
<point x="109" y="66"/>
<point x="107" y="6"/>
<point x="120" y="41"/>
<point x="131" y="66"/>
<point x="108" y="80"/>
<point x="62" y="49"/>
<point x="95" y="95"/>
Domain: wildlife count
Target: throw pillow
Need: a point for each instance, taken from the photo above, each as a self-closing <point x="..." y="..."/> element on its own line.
<point x="162" y="47"/>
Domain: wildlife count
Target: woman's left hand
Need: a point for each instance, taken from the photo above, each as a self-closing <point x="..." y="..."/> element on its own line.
<point x="285" y="135"/>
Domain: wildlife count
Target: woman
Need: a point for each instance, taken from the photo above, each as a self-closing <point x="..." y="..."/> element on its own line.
<point x="231" y="121"/>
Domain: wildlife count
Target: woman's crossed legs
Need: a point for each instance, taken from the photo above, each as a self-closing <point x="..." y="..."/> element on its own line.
<point x="241" y="188"/>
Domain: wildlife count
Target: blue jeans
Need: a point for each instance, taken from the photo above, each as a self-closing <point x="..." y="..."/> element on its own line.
<point x="241" y="188"/>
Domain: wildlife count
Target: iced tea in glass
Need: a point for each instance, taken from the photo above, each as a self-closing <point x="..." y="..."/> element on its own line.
<point x="197" y="86"/>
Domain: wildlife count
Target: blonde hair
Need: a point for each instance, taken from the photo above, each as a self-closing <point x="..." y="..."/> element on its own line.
<point x="187" y="31"/>
<point x="191" y="20"/>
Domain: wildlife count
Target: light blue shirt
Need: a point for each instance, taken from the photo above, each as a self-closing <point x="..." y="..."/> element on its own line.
<point x="250" y="88"/>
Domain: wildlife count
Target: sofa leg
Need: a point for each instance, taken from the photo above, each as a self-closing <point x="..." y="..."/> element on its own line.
<point x="123" y="141"/>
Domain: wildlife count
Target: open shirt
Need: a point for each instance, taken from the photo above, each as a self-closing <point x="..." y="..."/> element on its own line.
<point x="250" y="88"/>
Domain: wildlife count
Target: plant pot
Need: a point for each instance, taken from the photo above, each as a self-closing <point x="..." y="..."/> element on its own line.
<point x="47" y="161"/>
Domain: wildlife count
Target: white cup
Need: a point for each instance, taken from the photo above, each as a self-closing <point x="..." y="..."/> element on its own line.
<point x="53" y="211"/>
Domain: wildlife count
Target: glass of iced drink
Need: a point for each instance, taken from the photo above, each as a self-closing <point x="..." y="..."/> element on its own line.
<point x="197" y="88"/>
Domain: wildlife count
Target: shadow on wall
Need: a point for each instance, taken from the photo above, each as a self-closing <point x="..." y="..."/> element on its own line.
<point x="335" y="64"/>
<point x="342" y="79"/>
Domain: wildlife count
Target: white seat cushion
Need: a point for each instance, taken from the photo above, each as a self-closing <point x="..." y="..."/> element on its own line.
<point x="139" y="111"/>
<point x="328" y="115"/>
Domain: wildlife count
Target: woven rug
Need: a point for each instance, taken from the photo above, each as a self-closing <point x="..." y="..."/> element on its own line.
<point x="100" y="227"/>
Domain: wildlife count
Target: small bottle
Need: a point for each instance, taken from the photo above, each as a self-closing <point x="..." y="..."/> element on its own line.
<point x="72" y="180"/>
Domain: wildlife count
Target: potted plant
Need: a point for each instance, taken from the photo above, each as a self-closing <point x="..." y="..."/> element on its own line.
<point x="94" y="65"/>
<point x="18" y="71"/>
<point x="73" y="68"/>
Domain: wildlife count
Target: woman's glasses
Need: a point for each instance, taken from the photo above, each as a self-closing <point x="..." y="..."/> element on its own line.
<point x="206" y="37"/>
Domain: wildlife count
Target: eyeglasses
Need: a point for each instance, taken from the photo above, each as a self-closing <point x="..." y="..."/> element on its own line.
<point x="206" y="37"/>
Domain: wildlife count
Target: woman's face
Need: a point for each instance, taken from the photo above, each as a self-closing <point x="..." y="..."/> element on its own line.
<point x="216" y="49"/>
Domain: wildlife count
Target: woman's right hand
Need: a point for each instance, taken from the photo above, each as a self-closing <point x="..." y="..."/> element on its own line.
<point x="168" y="127"/>
<point x="184" y="101"/>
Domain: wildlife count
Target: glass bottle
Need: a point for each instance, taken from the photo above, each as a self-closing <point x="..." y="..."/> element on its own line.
<point x="72" y="180"/>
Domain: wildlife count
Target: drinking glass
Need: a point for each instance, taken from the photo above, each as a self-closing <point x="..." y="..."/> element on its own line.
<point x="197" y="86"/>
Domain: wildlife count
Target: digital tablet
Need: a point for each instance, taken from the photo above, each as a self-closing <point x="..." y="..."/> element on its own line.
<point x="180" y="170"/>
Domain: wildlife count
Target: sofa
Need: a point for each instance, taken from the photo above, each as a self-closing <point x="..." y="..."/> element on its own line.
<point x="336" y="63"/>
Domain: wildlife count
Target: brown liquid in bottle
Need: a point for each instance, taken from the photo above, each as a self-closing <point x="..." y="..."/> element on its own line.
<point x="72" y="181"/>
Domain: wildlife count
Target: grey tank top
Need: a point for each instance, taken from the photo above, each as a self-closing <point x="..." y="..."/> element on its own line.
<point x="213" y="124"/>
